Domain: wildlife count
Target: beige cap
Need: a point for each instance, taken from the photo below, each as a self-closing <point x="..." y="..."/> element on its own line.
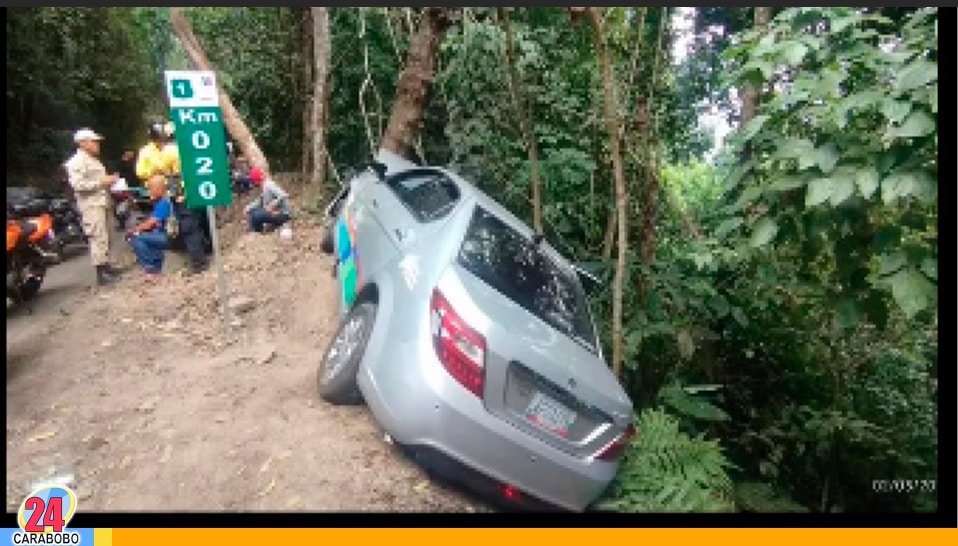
<point x="85" y="134"/>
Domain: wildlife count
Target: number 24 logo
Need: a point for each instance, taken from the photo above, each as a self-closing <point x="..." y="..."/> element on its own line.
<point x="47" y="515"/>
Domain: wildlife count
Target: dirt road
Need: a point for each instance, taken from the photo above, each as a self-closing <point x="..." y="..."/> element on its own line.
<point x="152" y="403"/>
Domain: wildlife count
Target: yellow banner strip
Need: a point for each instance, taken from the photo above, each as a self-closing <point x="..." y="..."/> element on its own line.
<point x="103" y="537"/>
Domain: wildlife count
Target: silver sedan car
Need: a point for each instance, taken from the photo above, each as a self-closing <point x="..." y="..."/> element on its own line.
<point x="470" y="339"/>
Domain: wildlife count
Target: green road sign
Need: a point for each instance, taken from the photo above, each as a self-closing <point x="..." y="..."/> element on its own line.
<point x="200" y="137"/>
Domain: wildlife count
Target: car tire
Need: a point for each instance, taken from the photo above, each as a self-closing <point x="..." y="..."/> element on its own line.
<point x="337" y="374"/>
<point x="327" y="244"/>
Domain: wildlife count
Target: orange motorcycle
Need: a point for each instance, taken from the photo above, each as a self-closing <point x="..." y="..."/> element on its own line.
<point x="28" y="253"/>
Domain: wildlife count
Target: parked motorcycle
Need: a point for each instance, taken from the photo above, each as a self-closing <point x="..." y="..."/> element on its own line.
<point x="29" y="242"/>
<point x="27" y="202"/>
<point x="67" y="223"/>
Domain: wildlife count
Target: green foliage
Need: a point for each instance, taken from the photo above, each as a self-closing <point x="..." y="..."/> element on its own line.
<point x="258" y="53"/>
<point x="63" y="72"/>
<point x="852" y="121"/>
<point x="665" y="470"/>
<point x="686" y="402"/>
<point x="762" y="497"/>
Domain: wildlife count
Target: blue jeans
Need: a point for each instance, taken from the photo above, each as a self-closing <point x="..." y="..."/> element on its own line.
<point x="149" y="247"/>
<point x="258" y="217"/>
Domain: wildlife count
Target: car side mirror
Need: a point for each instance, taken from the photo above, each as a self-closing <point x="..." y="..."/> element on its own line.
<point x="379" y="169"/>
<point x="590" y="283"/>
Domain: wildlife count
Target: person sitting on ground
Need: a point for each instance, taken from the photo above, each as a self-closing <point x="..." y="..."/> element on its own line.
<point x="271" y="208"/>
<point x="240" y="175"/>
<point x="148" y="238"/>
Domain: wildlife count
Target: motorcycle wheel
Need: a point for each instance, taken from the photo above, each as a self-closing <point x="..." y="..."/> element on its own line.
<point x="29" y="285"/>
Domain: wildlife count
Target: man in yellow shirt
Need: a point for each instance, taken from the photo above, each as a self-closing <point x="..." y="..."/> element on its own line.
<point x="161" y="156"/>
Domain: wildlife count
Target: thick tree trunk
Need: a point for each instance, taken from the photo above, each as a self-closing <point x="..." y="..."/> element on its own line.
<point x="306" y="166"/>
<point x="648" y="130"/>
<point x="750" y="92"/>
<point x="231" y="118"/>
<point x="649" y="186"/>
<point x="524" y="112"/>
<point x="405" y="122"/>
<point x="609" y="240"/>
<point x="621" y="194"/>
<point x="319" y="119"/>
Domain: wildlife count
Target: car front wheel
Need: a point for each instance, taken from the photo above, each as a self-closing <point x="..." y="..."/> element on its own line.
<point x="338" y="372"/>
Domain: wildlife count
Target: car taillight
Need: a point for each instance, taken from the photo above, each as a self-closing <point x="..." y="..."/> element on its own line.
<point x="461" y="349"/>
<point x="616" y="447"/>
<point x="511" y="493"/>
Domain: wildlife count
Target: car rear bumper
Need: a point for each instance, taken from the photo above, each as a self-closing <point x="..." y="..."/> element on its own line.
<point x="420" y="405"/>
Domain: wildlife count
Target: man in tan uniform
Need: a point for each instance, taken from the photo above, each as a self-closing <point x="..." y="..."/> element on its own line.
<point x="91" y="184"/>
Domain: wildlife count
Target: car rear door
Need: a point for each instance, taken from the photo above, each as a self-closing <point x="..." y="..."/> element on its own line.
<point x="409" y="204"/>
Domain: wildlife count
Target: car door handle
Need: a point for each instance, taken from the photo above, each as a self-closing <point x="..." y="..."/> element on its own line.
<point x="375" y="204"/>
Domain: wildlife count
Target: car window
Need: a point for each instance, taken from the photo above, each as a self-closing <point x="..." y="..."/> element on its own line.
<point x="429" y="195"/>
<point x="519" y="270"/>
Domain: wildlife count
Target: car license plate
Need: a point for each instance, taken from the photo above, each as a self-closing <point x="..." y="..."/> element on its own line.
<point x="550" y="415"/>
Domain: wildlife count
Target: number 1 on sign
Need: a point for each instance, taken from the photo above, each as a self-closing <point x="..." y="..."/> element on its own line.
<point x="50" y="513"/>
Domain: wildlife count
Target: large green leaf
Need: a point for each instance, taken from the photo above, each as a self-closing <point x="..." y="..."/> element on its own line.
<point x="912" y="291"/>
<point x="788" y="183"/>
<point x="793" y="147"/>
<point x="793" y="52"/>
<point x="891" y="263"/>
<point x="728" y="226"/>
<point x="843" y="185"/>
<point x="905" y="183"/>
<point x="867" y="181"/>
<point x="819" y="190"/>
<point x="739" y="316"/>
<point x="826" y="156"/>
<point x="930" y="268"/>
<point x="763" y="232"/>
<point x="918" y="124"/>
<point x="748" y="197"/>
<point x="915" y="75"/>
<point x="690" y="405"/>
<point x="685" y="343"/>
<point x="895" y="110"/>
<point x="753" y="127"/>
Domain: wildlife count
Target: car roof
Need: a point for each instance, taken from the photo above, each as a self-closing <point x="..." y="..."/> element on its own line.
<point x="395" y="163"/>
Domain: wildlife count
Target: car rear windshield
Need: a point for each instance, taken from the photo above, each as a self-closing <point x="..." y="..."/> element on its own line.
<point x="517" y="268"/>
<point x="429" y="195"/>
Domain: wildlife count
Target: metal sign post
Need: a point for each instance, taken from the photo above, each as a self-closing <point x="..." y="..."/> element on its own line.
<point x="201" y="139"/>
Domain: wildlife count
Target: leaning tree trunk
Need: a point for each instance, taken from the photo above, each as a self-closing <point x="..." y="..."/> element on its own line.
<point x="524" y="112"/>
<point x="405" y="122"/>
<point x="621" y="195"/>
<point x="231" y="118"/>
<point x="750" y="92"/>
<point x="306" y="167"/>
<point x="319" y="119"/>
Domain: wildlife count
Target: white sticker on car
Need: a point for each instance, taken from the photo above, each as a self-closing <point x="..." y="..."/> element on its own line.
<point x="410" y="270"/>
